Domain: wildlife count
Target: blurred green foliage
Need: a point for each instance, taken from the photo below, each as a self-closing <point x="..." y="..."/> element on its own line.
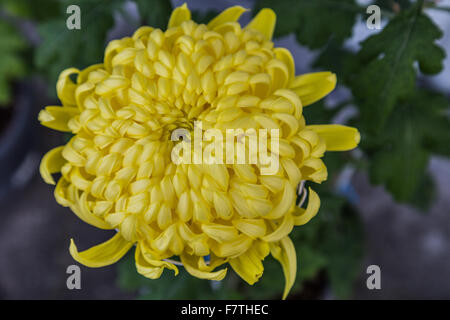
<point x="314" y="23"/>
<point x="402" y="122"/>
<point x="385" y="73"/>
<point x="61" y="48"/>
<point x="399" y="154"/>
<point x="12" y="64"/>
<point x="154" y="13"/>
<point x="33" y="10"/>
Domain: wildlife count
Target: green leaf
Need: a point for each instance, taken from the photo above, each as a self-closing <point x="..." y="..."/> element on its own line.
<point x="387" y="72"/>
<point x="435" y="123"/>
<point x="399" y="155"/>
<point x="343" y="245"/>
<point x="155" y="13"/>
<point x="12" y="62"/>
<point x="313" y="22"/>
<point x="62" y="48"/>
<point x="425" y="193"/>
<point x="399" y="165"/>
<point x="333" y="57"/>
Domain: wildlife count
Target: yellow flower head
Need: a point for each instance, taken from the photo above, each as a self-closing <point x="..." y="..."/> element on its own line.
<point x="117" y="173"/>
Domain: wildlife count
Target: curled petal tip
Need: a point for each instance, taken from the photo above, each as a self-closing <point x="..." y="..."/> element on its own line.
<point x="103" y="254"/>
<point x="229" y="15"/>
<point x="179" y="15"/>
<point x="264" y="22"/>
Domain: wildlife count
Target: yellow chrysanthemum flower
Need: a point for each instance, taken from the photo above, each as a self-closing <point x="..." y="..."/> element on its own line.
<point x="117" y="173"/>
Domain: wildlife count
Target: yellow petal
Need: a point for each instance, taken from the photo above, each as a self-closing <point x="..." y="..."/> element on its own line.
<point x="337" y="137"/>
<point x="284" y="203"/>
<point x="279" y="73"/>
<point x="141" y="32"/>
<point x="179" y="15"/>
<point x="65" y="87"/>
<point x="101" y="255"/>
<point x="214" y="262"/>
<point x="84" y="74"/>
<point x="116" y="218"/>
<point x="303" y="216"/>
<point x="222" y="205"/>
<point x="51" y="163"/>
<point x="312" y="87"/>
<point x="264" y="22"/>
<point x="284" y="252"/>
<point x="283" y="229"/>
<point x="81" y="209"/>
<point x="162" y="242"/>
<point x="191" y="266"/>
<point x="233" y="249"/>
<point x="128" y="227"/>
<point x="229" y="15"/>
<point x="285" y="56"/>
<point x="314" y="170"/>
<point x="60" y="193"/>
<point x="148" y="266"/>
<point x="220" y="233"/>
<point x="252" y="227"/>
<point x="249" y="265"/>
<point x="57" y="118"/>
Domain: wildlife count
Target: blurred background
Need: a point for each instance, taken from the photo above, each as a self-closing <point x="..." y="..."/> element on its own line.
<point x="386" y="203"/>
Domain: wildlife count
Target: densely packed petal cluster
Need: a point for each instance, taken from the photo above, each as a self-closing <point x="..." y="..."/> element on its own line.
<point x="117" y="173"/>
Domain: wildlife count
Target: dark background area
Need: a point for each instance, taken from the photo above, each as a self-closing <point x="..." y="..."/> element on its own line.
<point x="412" y="248"/>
